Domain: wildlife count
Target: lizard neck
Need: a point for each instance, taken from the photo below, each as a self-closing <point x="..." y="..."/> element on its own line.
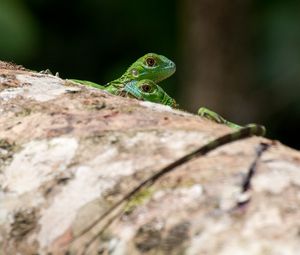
<point x="115" y="87"/>
<point x="125" y="78"/>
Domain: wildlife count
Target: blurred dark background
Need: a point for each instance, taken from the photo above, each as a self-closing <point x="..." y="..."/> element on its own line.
<point x="238" y="58"/>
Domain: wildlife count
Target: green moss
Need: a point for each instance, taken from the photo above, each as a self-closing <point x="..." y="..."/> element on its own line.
<point x="138" y="199"/>
<point x="24" y="112"/>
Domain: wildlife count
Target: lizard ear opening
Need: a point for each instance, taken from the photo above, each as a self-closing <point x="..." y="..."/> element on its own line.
<point x="135" y="72"/>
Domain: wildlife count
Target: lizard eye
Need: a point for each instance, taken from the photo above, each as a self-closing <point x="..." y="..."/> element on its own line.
<point x="146" y="88"/>
<point x="150" y="61"/>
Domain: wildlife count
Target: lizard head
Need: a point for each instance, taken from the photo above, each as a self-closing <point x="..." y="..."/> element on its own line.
<point x="148" y="90"/>
<point x="151" y="66"/>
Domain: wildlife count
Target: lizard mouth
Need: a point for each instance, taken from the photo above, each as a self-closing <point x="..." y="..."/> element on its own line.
<point x="126" y="94"/>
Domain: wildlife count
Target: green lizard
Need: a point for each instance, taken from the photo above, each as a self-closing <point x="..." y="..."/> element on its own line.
<point x="139" y="82"/>
<point x="150" y="66"/>
<point x="148" y="90"/>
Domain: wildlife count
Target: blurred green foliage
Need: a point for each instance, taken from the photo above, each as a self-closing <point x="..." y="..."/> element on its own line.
<point x="96" y="40"/>
<point x="278" y="67"/>
<point x="18" y="30"/>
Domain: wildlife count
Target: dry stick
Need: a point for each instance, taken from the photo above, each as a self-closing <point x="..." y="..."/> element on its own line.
<point x="242" y="133"/>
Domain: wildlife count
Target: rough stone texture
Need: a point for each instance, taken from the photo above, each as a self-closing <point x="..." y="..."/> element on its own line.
<point x="69" y="153"/>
